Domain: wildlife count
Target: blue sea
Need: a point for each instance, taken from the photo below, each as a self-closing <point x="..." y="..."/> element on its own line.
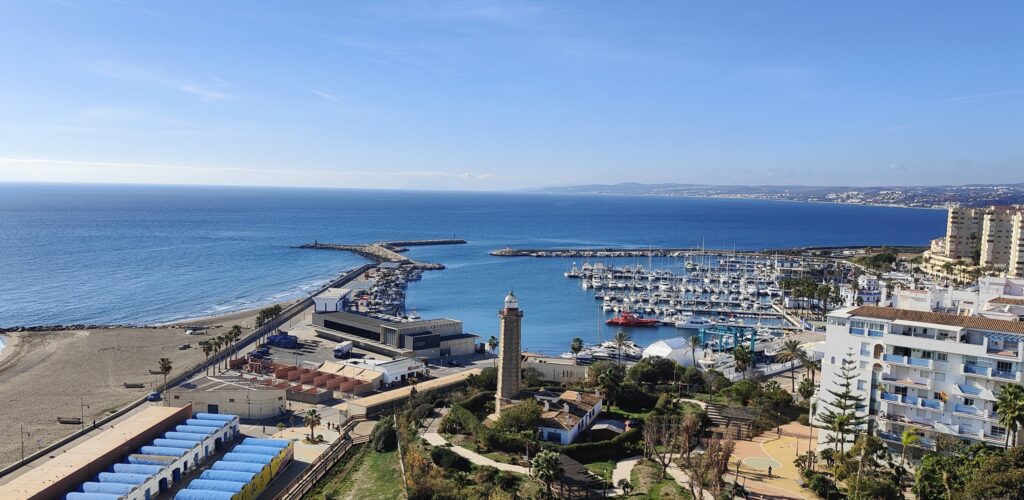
<point x="146" y="254"/>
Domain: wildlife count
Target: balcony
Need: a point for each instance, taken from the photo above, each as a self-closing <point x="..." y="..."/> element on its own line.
<point x="908" y="361"/>
<point x="1002" y="348"/>
<point x="908" y="420"/>
<point x="876" y="333"/>
<point x="975" y="392"/>
<point x="856" y="331"/>
<point x="969" y="410"/>
<point x="990" y="372"/>
<point x="907" y="381"/>
<point x="913" y="401"/>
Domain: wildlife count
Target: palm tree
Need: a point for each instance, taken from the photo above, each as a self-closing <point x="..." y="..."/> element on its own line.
<point x="576" y="346"/>
<point x="234" y="334"/>
<point x="547" y="468"/>
<point x="692" y="343"/>
<point x="217" y="343"/>
<point x="619" y="339"/>
<point x="744" y="359"/>
<point x="165" y="369"/>
<point x="790" y="353"/>
<point x="312" y="418"/>
<point x="492" y="344"/>
<point x="1010" y="407"/>
<point x="608" y="383"/>
<point x="806" y="388"/>
<point x="908" y="438"/>
<point x="207" y="349"/>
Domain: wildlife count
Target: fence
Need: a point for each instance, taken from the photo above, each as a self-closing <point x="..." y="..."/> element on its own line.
<point x="286" y="315"/>
<point x="319" y="468"/>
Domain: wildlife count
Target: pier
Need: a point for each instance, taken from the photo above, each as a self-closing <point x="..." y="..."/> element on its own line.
<point x="386" y="251"/>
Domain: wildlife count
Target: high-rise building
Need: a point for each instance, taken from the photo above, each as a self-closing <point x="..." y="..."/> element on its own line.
<point x="996" y="237"/>
<point x="963" y="232"/>
<point x="991" y="238"/>
<point x="510" y="357"/>
<point x="1017" y="246"/>
<point x="928" y="372"/>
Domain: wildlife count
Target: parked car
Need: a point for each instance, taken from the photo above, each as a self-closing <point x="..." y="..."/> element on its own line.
<point x="182" y="347"/>
<point x="153" y="396"/>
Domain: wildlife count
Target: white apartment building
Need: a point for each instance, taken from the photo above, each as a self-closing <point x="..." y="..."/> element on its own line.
<point x="991" y="297"/>
<point x="933" y="373"/>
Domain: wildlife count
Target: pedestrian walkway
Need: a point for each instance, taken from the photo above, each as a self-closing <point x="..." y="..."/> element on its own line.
<point x="778" y="451"/>
<point x="436" y="439"/>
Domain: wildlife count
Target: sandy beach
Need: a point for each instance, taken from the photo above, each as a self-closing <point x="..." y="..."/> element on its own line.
<point x="44" y="375"/>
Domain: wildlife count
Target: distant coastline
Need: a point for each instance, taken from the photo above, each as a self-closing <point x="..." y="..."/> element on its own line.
<point x="927" y="197"/>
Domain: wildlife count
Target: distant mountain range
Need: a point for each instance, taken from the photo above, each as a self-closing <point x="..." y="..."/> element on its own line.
<point x="902" y="196"/>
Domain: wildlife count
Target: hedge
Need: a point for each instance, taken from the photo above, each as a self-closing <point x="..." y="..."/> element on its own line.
<point x="602" y="450"/>
<point x="477" y="402"/>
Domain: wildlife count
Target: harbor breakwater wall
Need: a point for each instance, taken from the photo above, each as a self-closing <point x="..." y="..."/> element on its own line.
<point x="386" y="251"/>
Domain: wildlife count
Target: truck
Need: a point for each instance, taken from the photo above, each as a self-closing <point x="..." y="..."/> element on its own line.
<point x="343" y="350"/>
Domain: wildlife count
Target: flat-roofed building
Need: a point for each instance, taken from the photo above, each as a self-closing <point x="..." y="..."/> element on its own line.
<point x="85" y="461"/>
<point x="385" y="402"/>
<point x="428" y="338"/>
<point x="555" y="369"/>
<point x="247" y="398"/>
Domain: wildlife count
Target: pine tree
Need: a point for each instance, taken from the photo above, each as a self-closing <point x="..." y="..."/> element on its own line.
<point x="840" y="417"/>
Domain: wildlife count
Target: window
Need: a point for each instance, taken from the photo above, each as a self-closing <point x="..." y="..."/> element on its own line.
<point x="177" y="396"/>
<point x="939" y="376"/>
<point x="941" y="356"/>
<point x="1004" y="366"/>
<point x="231" y="400"/>
<point x="998" y="431"/>
<point x="833" y="360"/>
<point x="860" y="385"/>
<point x="968" y="401"/>
<point x="937" y="395"/>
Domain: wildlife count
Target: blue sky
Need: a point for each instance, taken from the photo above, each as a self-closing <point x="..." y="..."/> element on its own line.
<point x="506" y="95"/>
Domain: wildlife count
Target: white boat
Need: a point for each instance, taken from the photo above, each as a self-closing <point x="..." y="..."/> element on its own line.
<point x="718" y="361"/>
<point x="694" y="322"/>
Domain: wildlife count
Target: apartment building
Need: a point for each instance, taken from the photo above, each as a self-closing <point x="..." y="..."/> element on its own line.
<point x="963" y="232"/>
<point x="991" y="238"/>
<point x="933" y="373"/>
<point x="996" y="237"/>
<point x="1016" y="266"/>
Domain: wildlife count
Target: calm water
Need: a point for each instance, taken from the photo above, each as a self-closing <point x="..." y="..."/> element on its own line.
<point x="136" y="254"/>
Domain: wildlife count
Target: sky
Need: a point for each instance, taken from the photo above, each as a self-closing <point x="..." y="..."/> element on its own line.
<point x="496" y="95"/>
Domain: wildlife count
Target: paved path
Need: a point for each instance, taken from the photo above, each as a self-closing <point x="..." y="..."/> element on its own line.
<point x="780" y="451"/>
<point x="436" y="439"/>
<point x="624" y="470"/>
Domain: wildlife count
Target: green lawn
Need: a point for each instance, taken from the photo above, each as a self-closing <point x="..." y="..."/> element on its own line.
<point x="379" y="477"/>
<point x="648" y="483"/>
<point x="602" y="468"/>
<point x="367" y="475"/>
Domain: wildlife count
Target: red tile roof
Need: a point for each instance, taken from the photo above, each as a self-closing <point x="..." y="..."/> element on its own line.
<point x="1013" y="301"/>
<point x="974" y="322"/>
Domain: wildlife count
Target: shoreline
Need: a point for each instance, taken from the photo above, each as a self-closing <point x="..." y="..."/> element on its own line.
<point x="650" y="195"/>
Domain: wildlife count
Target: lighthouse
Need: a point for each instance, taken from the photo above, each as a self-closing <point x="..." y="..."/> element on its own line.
<point x="510" y="356"/>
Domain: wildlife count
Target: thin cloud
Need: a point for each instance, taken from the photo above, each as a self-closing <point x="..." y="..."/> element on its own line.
<point x="157" y="77"/>
<point x="975" y="97"/>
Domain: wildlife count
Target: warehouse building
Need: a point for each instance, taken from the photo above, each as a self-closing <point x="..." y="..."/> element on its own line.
<point x="430" y="338"/>
<point x="247" y="398"/>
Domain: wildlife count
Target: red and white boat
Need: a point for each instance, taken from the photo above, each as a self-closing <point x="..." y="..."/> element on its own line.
<point x="631" y="319"/>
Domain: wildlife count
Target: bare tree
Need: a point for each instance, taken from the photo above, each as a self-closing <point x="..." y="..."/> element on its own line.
<point x="706" y="469"/>
<point x="662" y="439"/>
<point x="666" y="436"/>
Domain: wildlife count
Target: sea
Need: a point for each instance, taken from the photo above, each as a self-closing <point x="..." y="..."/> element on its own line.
<point x="133" y="254"/>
